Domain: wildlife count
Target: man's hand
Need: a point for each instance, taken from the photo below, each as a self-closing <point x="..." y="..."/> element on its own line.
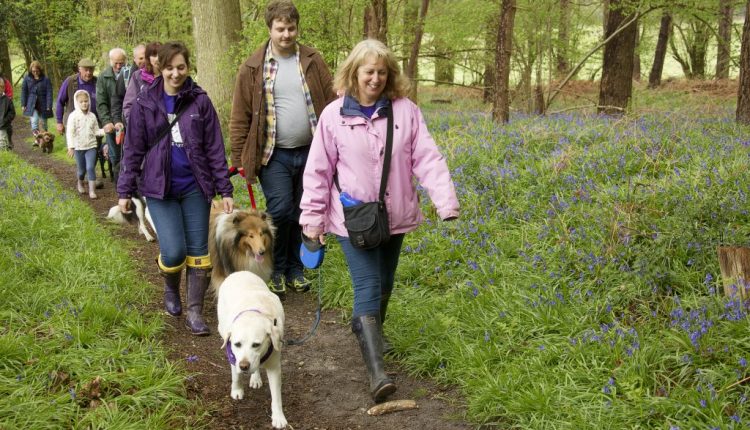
<point x="109" y="128"/>
<point x="60" y="129"/>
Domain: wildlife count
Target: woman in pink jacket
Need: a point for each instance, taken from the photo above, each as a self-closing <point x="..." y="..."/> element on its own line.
<point x="349" y="142"/>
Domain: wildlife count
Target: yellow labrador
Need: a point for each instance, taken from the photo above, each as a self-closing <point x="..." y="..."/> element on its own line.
<point x="251" y="323"/>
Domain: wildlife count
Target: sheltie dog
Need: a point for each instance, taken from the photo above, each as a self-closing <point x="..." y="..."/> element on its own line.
<point x="241" y="240"/>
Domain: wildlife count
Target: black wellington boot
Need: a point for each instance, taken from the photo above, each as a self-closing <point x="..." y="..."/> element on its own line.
<point x="172" y="302"/>
<point x="387" y="346"/>
<point x="197" y="283"/>
<point x="370" y="338"/>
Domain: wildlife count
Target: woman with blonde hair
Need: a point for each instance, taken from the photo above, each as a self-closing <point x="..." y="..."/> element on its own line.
<point x="345" y="167"/>
<point x="36" y="97"/>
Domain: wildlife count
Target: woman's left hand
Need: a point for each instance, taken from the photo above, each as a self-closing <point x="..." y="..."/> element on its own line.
<point x="227" y="204"/>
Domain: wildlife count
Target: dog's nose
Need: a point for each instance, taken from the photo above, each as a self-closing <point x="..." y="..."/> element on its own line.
<point x="244" y="366"/>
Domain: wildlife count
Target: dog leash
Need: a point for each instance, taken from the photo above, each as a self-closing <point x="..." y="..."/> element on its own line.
<point x="292" y="342"/>
<point x="233" y="171"/>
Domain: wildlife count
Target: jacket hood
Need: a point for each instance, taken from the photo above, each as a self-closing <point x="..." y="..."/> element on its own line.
<point x="75" y="99"/>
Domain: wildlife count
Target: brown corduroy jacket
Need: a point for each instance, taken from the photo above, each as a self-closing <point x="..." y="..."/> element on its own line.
<point x="247" y="122"/>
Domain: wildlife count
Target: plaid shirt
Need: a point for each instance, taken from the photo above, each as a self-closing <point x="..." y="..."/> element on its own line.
<point x="270" y="67"/>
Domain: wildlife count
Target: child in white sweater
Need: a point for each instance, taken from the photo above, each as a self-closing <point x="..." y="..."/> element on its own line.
<point x="80" y="134"/>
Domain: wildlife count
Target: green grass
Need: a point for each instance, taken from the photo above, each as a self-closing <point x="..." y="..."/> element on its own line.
<point x="74" y="312"/>
<point x="580" y="288"/>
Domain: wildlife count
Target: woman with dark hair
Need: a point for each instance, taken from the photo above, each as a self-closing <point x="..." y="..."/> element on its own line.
<point x="141" y="79"/>
<point x="174" y="157"/>
<point x="36" y="97"/>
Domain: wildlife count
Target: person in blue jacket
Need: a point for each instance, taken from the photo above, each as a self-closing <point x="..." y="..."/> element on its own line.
<point x="36" y="97"/>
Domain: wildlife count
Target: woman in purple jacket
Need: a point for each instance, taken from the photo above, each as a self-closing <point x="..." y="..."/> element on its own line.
<point x="174" y="157"/>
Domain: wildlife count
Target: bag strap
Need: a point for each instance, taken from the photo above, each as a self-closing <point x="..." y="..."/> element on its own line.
<point x="386" y="158"/>
<point x="169" y="127"/>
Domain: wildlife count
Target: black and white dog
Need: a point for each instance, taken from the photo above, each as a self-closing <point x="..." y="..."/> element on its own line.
<point x="139" y="214"/>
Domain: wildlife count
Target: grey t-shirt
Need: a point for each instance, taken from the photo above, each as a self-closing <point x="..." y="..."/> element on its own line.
<point x="292" y="122"/>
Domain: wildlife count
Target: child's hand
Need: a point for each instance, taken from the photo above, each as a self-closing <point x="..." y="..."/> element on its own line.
<point x="71" y="151"/>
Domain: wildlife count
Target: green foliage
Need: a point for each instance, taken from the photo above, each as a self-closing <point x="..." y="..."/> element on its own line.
<point x="68" y="358"/>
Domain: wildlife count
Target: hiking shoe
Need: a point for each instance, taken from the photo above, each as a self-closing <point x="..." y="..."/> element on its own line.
<point x="300" y="284"/>
<point x="277" y="285"/>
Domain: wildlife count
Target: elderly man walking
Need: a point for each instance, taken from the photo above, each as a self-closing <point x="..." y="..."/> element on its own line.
<point x="83" y="80"/>
<point x="109" y="106"/>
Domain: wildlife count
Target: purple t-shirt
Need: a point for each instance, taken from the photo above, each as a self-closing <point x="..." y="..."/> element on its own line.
<point x="182" y="180"/>
<point x="368" y="110"/>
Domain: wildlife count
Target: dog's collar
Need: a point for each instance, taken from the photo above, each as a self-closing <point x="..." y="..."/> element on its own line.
<point x="233" y="360"/>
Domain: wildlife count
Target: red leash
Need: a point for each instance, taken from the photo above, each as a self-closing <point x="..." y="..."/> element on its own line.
<point x="233" y="171"/>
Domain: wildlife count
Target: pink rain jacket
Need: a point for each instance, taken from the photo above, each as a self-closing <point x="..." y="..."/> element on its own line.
<point x="354" y="146"/>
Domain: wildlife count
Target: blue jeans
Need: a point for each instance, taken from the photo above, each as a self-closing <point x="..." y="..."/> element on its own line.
<point x="373" y="272"/>
<point x="281" y="181"/>
<point x="181" y="226"/>
<point x="114" y="151"/>
<point x="37" y="122"/>
<point x="86" y="163"/>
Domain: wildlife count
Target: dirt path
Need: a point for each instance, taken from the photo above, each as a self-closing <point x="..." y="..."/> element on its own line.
<point x="324" y="380"/>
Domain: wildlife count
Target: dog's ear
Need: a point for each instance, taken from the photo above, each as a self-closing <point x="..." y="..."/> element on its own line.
<point x="224" y="340"/>
<point x="239" y="217"/>
<point x="276" y="335"/>
<point x="238" y="237"/>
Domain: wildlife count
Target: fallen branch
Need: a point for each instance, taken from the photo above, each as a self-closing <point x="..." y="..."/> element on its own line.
<point x="392" y="406"/>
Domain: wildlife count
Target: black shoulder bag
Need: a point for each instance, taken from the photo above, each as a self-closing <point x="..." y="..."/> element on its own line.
<point x="367" y="222"/>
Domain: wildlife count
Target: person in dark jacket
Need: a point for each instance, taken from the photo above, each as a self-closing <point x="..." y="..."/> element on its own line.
<point x="7" y="113"/>
<point x="109" y="106"/>
<point x="36" y="97"/>
<point x="174" y="156"/>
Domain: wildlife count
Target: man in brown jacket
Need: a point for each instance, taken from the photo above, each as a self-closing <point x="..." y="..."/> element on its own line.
<point x="279" y="94"/>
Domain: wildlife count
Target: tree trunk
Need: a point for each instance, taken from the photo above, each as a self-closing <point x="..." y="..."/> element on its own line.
<point x="563" y="42"/>
<point x="637" y="57"/>
<point x="698" y="49"/>
<point x="444" y="66"/>
<point x="216" y="28"/>
<point x="376" y="20"/>
<point x="734" y="263"/>
<point x="5" y="68"/>
<point x="616" y="86"/>
<point x="724" y="39"/>
<point x="409" y="22"/>
<point x="411" y="68"/>
<point x="539" y="106"/>
<point x="743" y="92"/>
<point x="503" y="51"/>
<point x="490" y="37"/>
<point x="654" y="78"/>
